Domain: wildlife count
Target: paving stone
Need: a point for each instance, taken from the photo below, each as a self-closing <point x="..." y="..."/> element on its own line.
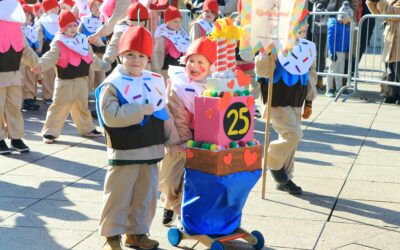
<point x="285" y="233"/>
<point x="288" y="206"/>
<point x="334" y="171"/>
<point x="54" y="214"/>
<point x="19" y="238"/>
<point x="358" y="236"/>
<point x="10" y="206"/>
<point x="311" y="186"/>
<point x="367" y="212"/>
<point x="372" y="191"/>
<point x="81" y="191"/>
<point x="388" y="158"/>
<point x="24" y="187"/>
<point x="374" y="173"/>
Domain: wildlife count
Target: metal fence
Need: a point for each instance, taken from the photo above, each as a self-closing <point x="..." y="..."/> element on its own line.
<point x="371" y="68"/>
<point x="365" y="62"/>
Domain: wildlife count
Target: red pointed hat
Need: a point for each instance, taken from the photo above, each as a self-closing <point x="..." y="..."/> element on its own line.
<point x="28" y="8"/>
<point x="133" y="12"/>
<point x="211" y="5"/>
<point x="36" y="7"/>
<point x="138" y="39"/>
<point x="49" y="4"/>
<point x="66" y="17"/>
<point x="202" y="46"/>
<point x="71" y="3"/>
<point x="90" y="2"/>
<point x="304" y="15"/>
<point x="171" y="13"/>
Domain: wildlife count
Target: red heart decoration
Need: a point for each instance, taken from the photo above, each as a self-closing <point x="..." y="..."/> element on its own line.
<point x="209" y="113"/>
<point x="227" y="159"/>
<point x="249" y="157"/>
<point x="250" y="101"/>
<point x="243" y="78"/>
<point x="189" y="154"/>
<point x="225" y="100"/>
<point x="231" y="84"/>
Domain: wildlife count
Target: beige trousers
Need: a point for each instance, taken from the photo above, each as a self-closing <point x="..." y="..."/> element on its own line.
<point x="171" y="180"/>
<point x="29" y="83"/>
<point x="287" y="123"/>
<point x="12" y="121"/>
<point x="48" y="83"/>
<point x="70" y="96"/>
<point x="130" y="199"/>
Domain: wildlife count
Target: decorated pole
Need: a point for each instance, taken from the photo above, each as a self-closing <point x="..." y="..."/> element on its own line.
<point x="273" y="24"/>
<point x="266" y="136"/>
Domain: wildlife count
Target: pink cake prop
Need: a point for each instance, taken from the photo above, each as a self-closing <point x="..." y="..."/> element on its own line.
<point x="220" y="126"/>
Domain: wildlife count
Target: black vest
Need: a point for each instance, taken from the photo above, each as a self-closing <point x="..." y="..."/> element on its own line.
<point x="283" y="95"/>
<point x="72" y="72"/>
<point x="136" y="136"/>
<point x="10" y="61"/>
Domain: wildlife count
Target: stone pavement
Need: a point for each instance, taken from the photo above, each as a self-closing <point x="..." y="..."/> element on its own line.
<point x="348" y="164"/>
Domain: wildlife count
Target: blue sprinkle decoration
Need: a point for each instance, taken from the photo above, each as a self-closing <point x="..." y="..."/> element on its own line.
<point x="147" y="87"/>
<point x="127" y="78"/>
<point x="190" y="90"/>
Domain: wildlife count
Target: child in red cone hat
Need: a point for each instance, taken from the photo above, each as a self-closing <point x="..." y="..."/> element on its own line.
<point x="205" y="23"/>
<point x="136" y="13"/>
<point x="47" y="27"/>
<point x="131" y="106"/>
<point x="73" y="56"/>
<point x="66" y="4"/>
<point x="185" y="84"/>
<point x="171" y="42"/>
<point x="89" y="25"/>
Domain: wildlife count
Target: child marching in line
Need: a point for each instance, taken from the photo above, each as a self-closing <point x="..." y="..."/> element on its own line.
<point x="47" y="27"/>
<point x="37" y="11"/>
<point x="88" y="26"/>
<point x="29" y="80"/>
<point x="171" y="42"/>
<point x="186" y="83"/>
<point x="135" y="12"/>
<point x="72" y="54"/>
<point x="14" y="49"/>
<point x="205" y="23"/>
<point x="66" y="5"/>
<point x="131" y="106"/>
<point x="294" y="89"/>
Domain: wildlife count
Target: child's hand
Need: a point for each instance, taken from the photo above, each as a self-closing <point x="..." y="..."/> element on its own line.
<point x="93" y="39"/>
<point x="147" y="109"/>
<point x="35" y="70"/>
<point x="106" y="66"/>
<point x="307" y="112"/>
